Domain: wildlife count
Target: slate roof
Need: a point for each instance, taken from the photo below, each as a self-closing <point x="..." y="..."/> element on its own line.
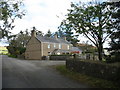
<point x="51" y="40"/>
<point x="76" y="49"/>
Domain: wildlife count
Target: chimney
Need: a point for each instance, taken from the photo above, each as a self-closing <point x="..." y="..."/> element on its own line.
<point x="33" y="33"/>
<point x="55" y="36"/>
<point x="65" y="38"/>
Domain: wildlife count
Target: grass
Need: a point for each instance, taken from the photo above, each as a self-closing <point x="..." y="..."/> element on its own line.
<point x="88" y="80"/>
<point x="13" y="56"/>
<point x="3" y="52"/>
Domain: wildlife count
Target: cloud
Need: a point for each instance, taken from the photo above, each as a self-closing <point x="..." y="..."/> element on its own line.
<point x="42" y="14"/>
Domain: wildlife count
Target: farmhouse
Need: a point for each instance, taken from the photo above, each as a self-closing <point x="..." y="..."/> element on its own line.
<point x="41" y="46"/>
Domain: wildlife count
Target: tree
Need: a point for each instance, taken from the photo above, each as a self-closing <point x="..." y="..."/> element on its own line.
<point x="115" y="36"/>
<point x="60" y="33"/>
<point x="20" y="40"/>
<point x="17" y="43"/>
<point x="68" y="33"/>
<point x="48" y="34"/>
<point x="9" y="11"/>
<point x="93" y="20"/>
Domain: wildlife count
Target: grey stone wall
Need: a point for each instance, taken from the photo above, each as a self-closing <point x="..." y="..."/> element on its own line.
<point x="95" y="69"/>
<point x="59" y="57"/>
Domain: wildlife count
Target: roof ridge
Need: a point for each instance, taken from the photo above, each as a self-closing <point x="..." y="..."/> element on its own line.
<point x="52" y="40"/>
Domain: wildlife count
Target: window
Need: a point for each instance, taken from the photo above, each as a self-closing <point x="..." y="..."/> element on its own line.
<point x="60" y="46"/>
<point x="68" y="47"/>
<point x="54" y="45"/>
<point x="48" y="45"/>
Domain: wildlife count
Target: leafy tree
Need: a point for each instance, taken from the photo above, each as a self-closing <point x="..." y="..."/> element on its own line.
<point x="48" y="34"/>
<point x="9" y="11"/>
<point x="115" y="37"/>
<point x="17" y="43"/>
<point x="93" y="20"/>
<point x="16" y="50"/>
<point x="68" y="33"/>
<point x="60" y="33"/>
<point x="20" y="40"/>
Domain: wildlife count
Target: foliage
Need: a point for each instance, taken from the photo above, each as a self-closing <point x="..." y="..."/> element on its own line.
<point x="13" y="56"/>
<point x="17" y="44"/>
<point x="9" y="11"/>
<point x="48" y="34"/>
<point x="19" y="40"/>
<point x="93" y="20"/>
<point x="115" y="37"/>
<point x="60" y="33"/>
<point x="16" y="50"/>
<point x="68" y="33"/>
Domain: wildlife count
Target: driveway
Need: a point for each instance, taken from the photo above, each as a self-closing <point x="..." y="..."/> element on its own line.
<point x="34" y="74"/>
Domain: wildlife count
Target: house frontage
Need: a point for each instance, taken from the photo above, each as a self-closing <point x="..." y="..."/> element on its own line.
<point x="40" y="46"/>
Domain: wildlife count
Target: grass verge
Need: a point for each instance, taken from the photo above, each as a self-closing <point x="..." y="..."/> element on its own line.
<point x="88" y="80"/>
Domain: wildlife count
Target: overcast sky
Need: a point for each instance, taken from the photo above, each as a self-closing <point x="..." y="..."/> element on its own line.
<point x="44" y="15"/>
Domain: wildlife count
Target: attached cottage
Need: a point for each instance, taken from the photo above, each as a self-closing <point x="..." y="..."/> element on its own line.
<point x="40" y="46"/>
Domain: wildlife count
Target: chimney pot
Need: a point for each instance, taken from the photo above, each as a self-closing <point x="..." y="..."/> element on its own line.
<point x="65" y="38"/>
<point x="33" y="33"/>
<point x="55" y="36"/>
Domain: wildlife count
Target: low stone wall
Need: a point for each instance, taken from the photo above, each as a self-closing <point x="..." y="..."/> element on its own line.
<point x="59" y="57"/>
<point x="21" y="56"/>
<point x="95" y="69"/>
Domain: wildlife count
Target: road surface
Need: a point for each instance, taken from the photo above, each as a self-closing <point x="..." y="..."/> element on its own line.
<point x="34" y="74"/>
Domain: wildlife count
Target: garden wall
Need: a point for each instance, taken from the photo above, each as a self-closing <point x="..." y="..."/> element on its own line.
<point x="95" y="69"/>
<point x="59" y="57"/>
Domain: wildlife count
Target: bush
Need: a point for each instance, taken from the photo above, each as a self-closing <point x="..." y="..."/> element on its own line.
<point x="13" y="56"/>
<point x="14" y="51"/>
<point x="112" y="58"/>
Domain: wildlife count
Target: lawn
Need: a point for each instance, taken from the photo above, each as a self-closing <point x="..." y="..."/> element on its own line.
<point x="88" y="80"/>
<point x="3" y="50"/>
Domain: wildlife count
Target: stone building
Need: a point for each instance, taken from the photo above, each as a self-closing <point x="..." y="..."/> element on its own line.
<point x="41" y="46"/>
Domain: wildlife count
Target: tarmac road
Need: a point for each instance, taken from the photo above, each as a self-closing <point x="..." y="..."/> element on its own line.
<point x="34" y="74"/>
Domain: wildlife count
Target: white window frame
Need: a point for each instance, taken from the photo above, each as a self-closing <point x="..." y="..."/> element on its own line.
<point x="68" y="47"/>
<point x="54" y="45"/>
<point x="60" y="46"/>
<point x="48" y="46"/>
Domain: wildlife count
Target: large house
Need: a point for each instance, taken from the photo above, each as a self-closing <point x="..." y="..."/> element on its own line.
<point x="40" y="46"/>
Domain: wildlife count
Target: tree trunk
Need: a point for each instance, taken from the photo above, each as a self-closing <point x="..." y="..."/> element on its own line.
<point x="100" y="50"/>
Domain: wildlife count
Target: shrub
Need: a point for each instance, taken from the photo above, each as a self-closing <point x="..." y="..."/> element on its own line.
<point x="14" y="51"/>
<point x="13" y="56"/>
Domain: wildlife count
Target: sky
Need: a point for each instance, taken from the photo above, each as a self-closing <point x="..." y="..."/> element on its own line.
<point x="44" y="15"/>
